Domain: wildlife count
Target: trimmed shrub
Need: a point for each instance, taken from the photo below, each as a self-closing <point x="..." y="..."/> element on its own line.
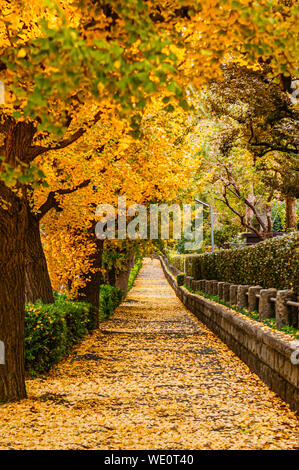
<point x="272" y="263"/>
<point x="176" y="260"/>
<point x="134" y="273"/>
<point x="51" y="330"/>
<point x="180" y="279"/>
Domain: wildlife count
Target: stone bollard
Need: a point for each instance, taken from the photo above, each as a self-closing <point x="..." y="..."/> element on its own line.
<point x="206" y="286"/>
<point x="215" y="288"/>
<point x="209" y="287"/>
<point x="284" y="314"/>
<point x="242" y="298"/>
<point x="225" y="292"/>
<point x="202" y="285"/>
<point x="233" y="294"/>
<point x="266" y="306"/>
<point x="195" y="285"/>
<point x="188" y="280"/>
<point x="220" y="289"/>
<point x="253" y="300"/>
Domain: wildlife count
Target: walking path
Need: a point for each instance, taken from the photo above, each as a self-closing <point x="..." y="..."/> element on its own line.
<point x="152" y="377"/>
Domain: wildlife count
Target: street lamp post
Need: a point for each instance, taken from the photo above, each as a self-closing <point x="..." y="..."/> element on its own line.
<point x="212" y="220"/>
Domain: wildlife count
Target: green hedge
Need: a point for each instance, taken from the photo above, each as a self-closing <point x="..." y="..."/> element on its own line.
<point x="272" y="263"/>
<point x="180" y="279"/>
<point x="110" y="298"/>
<point x="134" y="273"/>
<point x="51" y="330"/>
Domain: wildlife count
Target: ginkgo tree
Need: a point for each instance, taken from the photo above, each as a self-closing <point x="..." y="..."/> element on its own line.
<point x="155" y="168"/>
<point x="53" y="66"/>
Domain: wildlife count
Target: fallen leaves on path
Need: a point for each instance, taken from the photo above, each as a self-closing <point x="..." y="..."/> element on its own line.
<point x="152" y="377"/>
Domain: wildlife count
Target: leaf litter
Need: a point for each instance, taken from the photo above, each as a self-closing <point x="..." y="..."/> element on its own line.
<point x="151" y="377"/>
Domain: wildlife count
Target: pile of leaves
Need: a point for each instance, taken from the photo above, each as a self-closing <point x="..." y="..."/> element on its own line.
<point x="151" y="377"/>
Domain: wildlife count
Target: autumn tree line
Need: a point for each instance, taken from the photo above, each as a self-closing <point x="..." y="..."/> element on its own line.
<point x="157" y="101"/>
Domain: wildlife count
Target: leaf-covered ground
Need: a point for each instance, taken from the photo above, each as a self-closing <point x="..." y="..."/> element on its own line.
<point x="152" y="377"/>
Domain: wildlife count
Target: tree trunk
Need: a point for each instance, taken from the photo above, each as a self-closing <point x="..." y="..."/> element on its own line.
<point x="111" y="276"/>
<point x="37" y="279"/>
<point x="291" y="213"/>
<point x="123" y="276"/>
<point x="91" y="291"/>
<point x="249" y="215"/>
<point x="13" y="225"/>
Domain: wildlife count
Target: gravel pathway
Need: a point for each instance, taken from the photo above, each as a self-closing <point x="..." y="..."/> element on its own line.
<point x="152" y="377"/>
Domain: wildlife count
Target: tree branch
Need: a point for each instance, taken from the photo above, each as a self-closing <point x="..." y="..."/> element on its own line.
<point x="39" y="150"/>
<point x="241" y="217"/>
<point x="273" y="148"/>
<point x="51" y="202"/>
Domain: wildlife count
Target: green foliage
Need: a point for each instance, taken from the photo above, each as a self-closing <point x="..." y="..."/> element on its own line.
<point x="71" y="63"/>
<point x="176" y="260"/>
<point x="180" y="279"/>
<point x="134" y="273"/>
<point x="225" y="233"/>
<point x="272" y="263"/>
<point x="110" y="298"/>
<point x="51" y="330"/>
<point x="27" y="174"/>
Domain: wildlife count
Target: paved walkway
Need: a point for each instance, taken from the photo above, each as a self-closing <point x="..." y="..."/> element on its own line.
<point x="152" y="377"/>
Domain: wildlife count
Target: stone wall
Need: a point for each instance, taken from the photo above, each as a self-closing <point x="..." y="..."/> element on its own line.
<point x="266" y="352"/>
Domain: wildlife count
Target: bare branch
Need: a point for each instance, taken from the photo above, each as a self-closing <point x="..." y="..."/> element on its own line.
<point x="238" y="214"/>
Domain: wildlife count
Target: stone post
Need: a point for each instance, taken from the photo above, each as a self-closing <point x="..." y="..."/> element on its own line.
<point x="188" y="280"/>
<point x="233" y="294"/>
<point x="205" y="286"/>
<point x="225" y="292"/>
<point x="195" y="285"/>
<point x="253" y="300"/>
<point x="209" y="287"/>
<point x="266" y="306"/>
<point x="284" y="313"/>
<point x="242" y="299"/>
<point x="215" y="287"/>
<point x="220" y="289"/>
